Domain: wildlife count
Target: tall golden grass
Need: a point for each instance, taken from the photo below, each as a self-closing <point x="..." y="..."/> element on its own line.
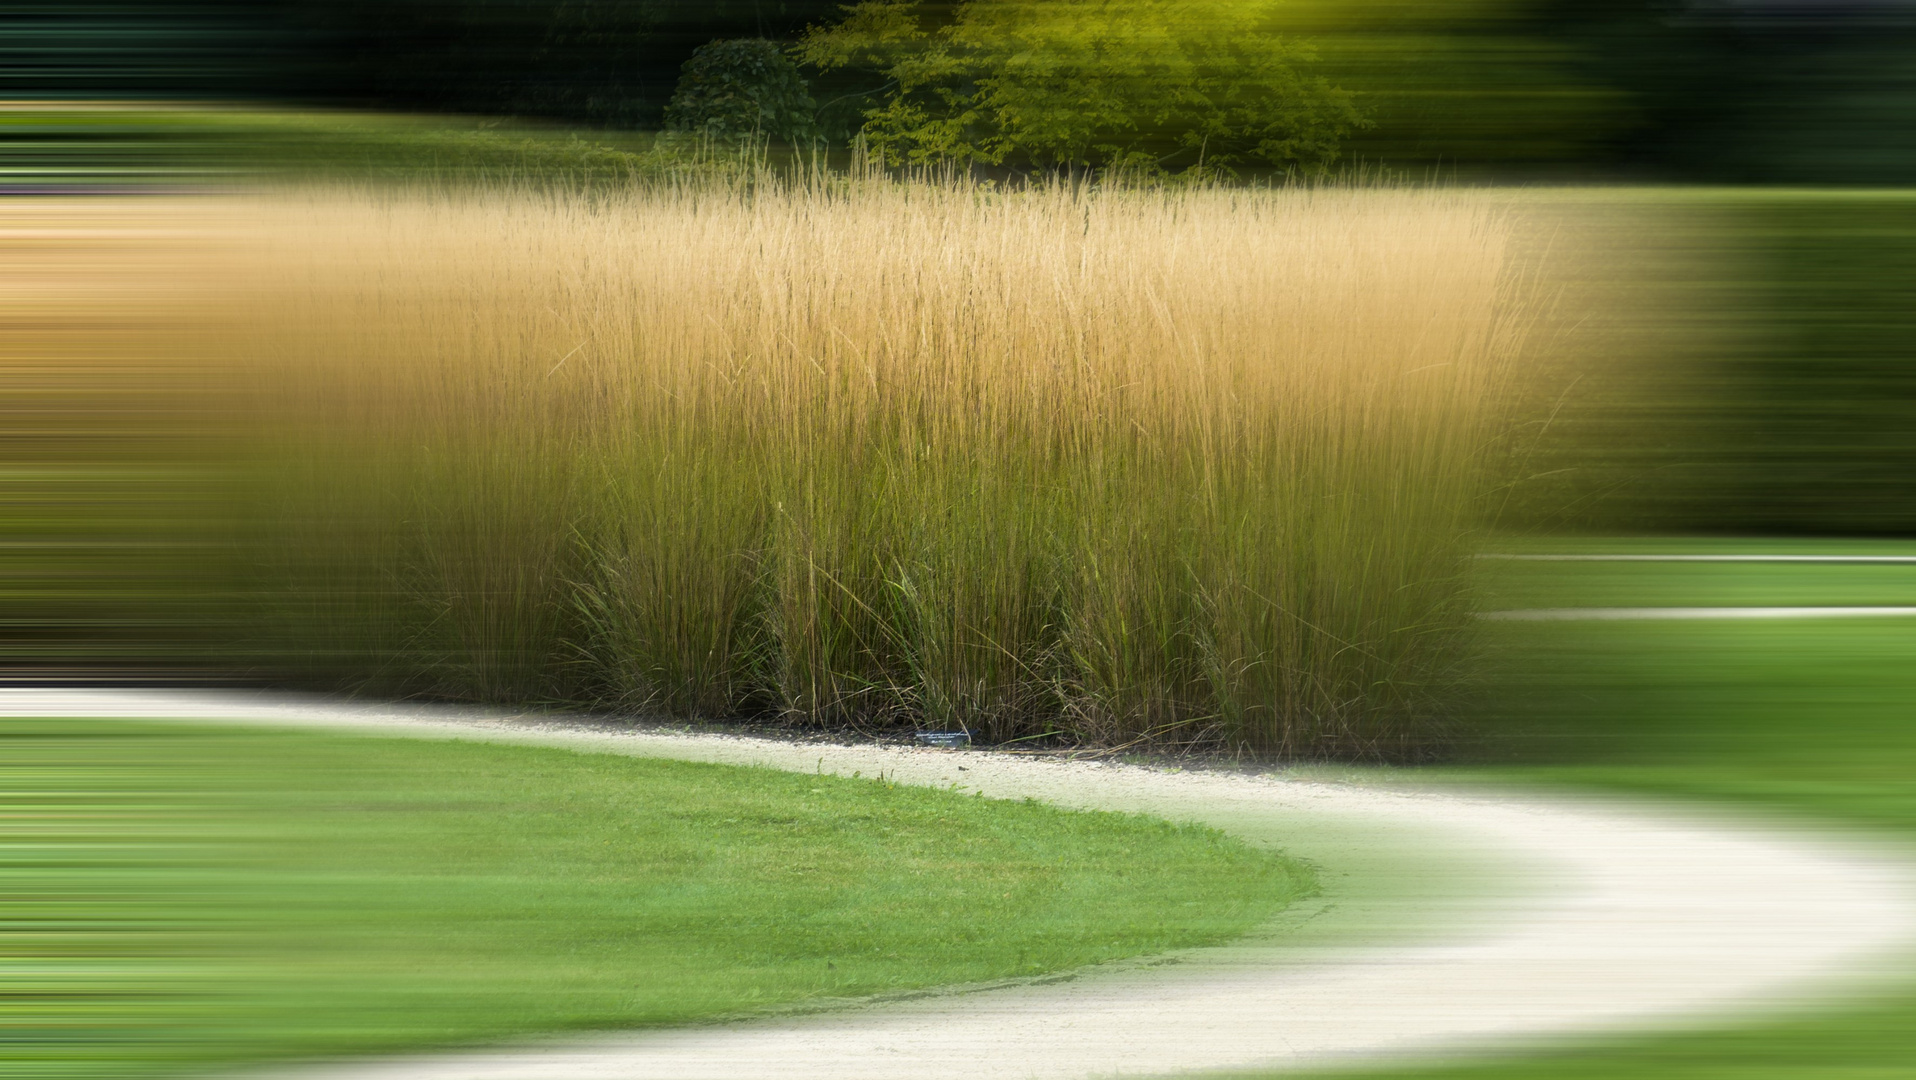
<point x="1116" y="465"/>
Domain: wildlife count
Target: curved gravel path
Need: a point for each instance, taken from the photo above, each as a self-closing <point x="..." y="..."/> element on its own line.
<point x="1450" y="922"/>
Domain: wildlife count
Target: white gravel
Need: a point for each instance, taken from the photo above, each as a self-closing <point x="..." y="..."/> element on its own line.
<point x="1450" y="923"/>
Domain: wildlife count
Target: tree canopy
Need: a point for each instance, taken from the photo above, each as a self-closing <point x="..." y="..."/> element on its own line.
<point x="739" y="88"/>
<point x="1154" y="85"/>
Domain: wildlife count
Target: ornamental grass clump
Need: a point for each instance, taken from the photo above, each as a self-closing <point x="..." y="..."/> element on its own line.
<point x="1107" y="465"/>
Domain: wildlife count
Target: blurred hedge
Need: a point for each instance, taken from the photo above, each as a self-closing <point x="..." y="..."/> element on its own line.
<point x="1747" y="364"/>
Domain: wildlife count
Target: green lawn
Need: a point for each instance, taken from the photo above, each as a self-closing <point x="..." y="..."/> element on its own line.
<point x="1616" y="584"/>
<point x="1695" y="545"/>
<point x="182" y="897"/>
<point x="1815" y="719"/>
<point x="109" y="145"/>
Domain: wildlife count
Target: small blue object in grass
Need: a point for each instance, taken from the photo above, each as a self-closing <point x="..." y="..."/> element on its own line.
<point x="947" y="739"/>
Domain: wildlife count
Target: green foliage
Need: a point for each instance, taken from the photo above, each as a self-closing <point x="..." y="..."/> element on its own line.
<point x="1150" y="85"/>
<point x="732" y="90"/>
<point x="181" y="898"/>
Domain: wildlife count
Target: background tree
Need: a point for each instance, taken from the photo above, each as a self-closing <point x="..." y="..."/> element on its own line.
<point x="613" y="63"/>
<point x="733" y="89"/>
<point x="1147" y="84"/>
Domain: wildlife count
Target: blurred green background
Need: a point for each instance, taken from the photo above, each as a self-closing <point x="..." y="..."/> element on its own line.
<point x="1746" y="364"/>
<point x="1736" y="91"/>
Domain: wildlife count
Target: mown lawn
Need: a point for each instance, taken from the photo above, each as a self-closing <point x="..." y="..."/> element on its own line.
<point x="184" y="897"/>
<point x="1512" y="584"/>
<point x="1814" y="719"/>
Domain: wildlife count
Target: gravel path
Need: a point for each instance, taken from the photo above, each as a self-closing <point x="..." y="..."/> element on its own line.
<point x="1451" y="922"/>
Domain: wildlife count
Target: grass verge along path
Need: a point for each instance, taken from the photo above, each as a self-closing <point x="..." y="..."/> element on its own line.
<point x="185" y="897"/>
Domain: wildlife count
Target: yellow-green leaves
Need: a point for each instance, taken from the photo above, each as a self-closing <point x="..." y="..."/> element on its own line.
<point x="1146" y="85"/>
